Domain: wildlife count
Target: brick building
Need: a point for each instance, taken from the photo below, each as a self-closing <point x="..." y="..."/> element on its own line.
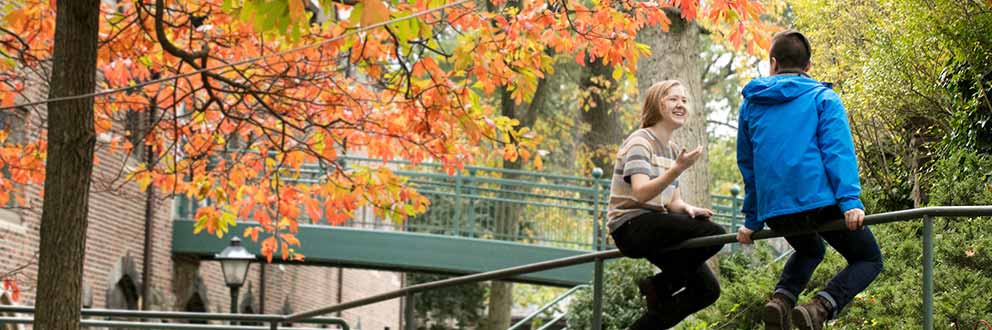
<point x="115" y="262"/>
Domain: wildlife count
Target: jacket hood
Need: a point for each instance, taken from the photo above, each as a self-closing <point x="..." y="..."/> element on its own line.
<point x="779" y="89"/>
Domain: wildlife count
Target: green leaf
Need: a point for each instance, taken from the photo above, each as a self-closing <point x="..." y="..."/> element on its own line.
<point x="248" y="13"/>
<point x="355" y="16"/>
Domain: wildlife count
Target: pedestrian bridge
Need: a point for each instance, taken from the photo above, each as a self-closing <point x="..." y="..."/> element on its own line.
<point x="481" y="219"/>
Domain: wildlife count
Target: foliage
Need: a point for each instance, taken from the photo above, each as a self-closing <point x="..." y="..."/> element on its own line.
<point x="458" y="307"/>
<point x="251" y="91"/>
<point x="745" y="282"/>
<point x="915" y="111"/>
<point x="908" y="104"/>
<point x="893" y="301"/>
<point x="961" y="275"/>
<point x="622" y="303"/>
<point x="722" y="164"/>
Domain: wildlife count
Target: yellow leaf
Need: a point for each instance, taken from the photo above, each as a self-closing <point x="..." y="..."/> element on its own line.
<point x="375" y="12"/>
<point x="144" y="181"/>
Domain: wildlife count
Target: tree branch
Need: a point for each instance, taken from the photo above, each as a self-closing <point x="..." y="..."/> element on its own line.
<point x="716" y="122"/>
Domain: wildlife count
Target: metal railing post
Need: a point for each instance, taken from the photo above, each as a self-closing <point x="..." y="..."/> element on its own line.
<point x="471" y="223"/>
<point x="408" y="314"/>
<point x="735" y="209"/>
<point x="597" y="300"/>
<point x="596" y="226"/>
<point x="458" y="201"/>
<point x="604" y="231"/>
<point x="927" y="272"/>
<point x="470" y="219"/>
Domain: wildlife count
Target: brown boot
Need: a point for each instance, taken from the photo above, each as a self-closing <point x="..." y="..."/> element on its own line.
<point x="777" y="312"/>
<point x="650" y="294"/>
<point x="812" y="315"/>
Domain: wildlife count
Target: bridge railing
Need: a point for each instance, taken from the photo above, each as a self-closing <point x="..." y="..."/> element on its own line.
<point x="598" y="257"/>
<point x="503" y="204"/>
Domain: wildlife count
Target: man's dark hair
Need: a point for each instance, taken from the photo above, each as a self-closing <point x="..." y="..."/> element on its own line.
<point x="790" y="49"/>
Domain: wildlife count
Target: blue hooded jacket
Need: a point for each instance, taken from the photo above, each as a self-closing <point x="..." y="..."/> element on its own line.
<point x="794" y="149"/>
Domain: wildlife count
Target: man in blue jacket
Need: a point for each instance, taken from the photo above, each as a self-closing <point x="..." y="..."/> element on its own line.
<point x="795" y="152"/>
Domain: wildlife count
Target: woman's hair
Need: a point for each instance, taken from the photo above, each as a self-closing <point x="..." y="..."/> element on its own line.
<point x="651" y="112"/>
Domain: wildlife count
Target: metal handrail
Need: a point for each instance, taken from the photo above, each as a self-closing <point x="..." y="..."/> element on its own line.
<point x="191" y="316"/>
<point x="926" y="213"/>
<point x="152" y="325"/>
<point x="548" y="306"/>
<point x="552" y="322"/>
<point x="477" y="168"/>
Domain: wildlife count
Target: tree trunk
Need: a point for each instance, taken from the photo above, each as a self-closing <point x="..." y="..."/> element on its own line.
<point x="675" y="55"/>
<point x="69" y="165"/>
<point x="501" y="293"/>
<point x="500" y="306"/>
<point x="599" y="111"/>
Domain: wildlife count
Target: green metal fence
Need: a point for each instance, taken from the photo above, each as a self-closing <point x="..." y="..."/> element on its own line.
<point x="524" y="206"/>
<point x="504" y="204"/>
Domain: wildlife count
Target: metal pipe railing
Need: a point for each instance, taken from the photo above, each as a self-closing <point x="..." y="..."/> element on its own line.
<point x="547" y="306"/>
<point x="938" y="211"/>
<point x="152" y="325"/>
<point x="272" y="319"/>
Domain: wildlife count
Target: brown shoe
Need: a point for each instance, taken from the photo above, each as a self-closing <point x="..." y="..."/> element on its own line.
<point x="777" y="312"/>
<point x="650" y="294"/>
<point x="812" y="315"/>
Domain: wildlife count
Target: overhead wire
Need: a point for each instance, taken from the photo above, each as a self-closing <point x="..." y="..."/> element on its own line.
<point x="242" y="62"/>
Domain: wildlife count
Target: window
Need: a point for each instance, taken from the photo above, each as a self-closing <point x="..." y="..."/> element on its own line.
<point x="124" y="295"/>
<point x="197" y="305"/>
<point x="13" y="121"/>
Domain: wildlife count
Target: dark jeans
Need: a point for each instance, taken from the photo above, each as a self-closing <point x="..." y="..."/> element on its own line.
<point x="646" y="236"/>
<point x="864" y="259"/>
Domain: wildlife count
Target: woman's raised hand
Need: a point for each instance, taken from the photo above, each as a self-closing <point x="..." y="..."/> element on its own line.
<point x="687" y="159"/>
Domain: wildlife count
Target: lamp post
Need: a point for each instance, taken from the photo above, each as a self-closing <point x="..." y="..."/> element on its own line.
<point x="234" y="261"/>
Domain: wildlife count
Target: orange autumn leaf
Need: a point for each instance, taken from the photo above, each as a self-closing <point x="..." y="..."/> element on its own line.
<point x="375" y="12"/>
<point x="10" y="286"/>
<point x="296" y="10"/>
<point x="290" y="239"/>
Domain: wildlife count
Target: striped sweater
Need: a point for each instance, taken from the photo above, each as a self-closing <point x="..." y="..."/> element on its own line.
<point x="640" y="153"/>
